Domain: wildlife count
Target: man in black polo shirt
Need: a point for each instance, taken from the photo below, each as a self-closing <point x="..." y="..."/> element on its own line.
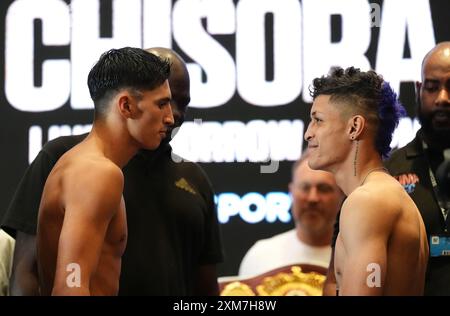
<point x="415" y="164"/>
<point x="415" y="167"/>
<point x="173" y="234"/>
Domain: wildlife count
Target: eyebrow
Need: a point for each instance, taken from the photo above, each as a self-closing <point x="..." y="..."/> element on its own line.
<point x="316" y="184"/>
<point x="431" y="79"/>
<point x="164" y="99"/>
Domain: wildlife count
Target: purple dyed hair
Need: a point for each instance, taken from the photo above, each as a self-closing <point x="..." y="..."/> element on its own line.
<point x="370" y="95"/>
<point x="390" y="110"/>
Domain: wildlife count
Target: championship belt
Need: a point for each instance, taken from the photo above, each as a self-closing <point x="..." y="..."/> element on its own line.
<point x="297" y="280"/>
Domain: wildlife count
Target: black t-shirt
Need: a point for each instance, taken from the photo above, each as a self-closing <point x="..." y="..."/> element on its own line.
<point x="171" y="217"/>
<point x="22" y="212"/>
<point x="411" y="159"/>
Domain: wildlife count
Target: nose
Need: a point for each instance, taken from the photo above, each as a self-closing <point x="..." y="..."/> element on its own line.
<point x="443" y="97"/>
<point x="313" y="195"/>
<point x="168" y="117"/>
<point x="308" y="133"/>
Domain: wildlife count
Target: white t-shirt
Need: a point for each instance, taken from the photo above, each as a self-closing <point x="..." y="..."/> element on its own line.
<point x="279" y="251"/>
<point x="6" y="256"/>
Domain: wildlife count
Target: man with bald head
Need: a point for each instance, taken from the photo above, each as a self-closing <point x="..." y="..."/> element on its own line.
<point x="173" y="235"/>
<point x="316" y="199"/>
<point x="179" y="83"/>
<point x="415" y="165"/>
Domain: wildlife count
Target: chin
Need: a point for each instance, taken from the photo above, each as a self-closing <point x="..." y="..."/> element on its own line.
<point x="439" y="134"/>
<point x="320" y="165"/>
<point x="151" y="146"/>
<point x="441" y="129"/>
<point x="314" y="164"/>
<point x="313" y="227"/>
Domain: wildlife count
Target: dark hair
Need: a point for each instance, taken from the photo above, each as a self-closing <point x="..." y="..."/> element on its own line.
<point x="369" y="96"/>
<point x="125" y="68"/>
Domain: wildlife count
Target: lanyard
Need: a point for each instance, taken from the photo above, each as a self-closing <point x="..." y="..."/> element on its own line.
<point x="442" y="205"/>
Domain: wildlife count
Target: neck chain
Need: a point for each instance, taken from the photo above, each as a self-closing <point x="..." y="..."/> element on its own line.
<point x="372" y="170"/>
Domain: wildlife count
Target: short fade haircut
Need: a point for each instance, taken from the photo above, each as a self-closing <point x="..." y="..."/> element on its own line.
<point x="125" y="68"/>
<point x="369" y="95"/>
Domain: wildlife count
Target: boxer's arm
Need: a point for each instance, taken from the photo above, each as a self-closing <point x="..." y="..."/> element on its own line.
<point x="365" y="229"/>
<point x="93" y="199"/>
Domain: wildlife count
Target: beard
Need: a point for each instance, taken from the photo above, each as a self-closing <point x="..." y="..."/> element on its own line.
<point x="437" y="133"/>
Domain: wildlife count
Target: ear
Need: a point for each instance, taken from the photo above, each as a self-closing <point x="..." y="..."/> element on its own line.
<point x="355" y="126"/>
<point x="290" y="186"/>
<point x="125" y="105"/>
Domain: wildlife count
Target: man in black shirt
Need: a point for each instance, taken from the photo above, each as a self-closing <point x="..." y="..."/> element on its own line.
<point x="173" y="234"/>
<point x="415" y="167"/>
